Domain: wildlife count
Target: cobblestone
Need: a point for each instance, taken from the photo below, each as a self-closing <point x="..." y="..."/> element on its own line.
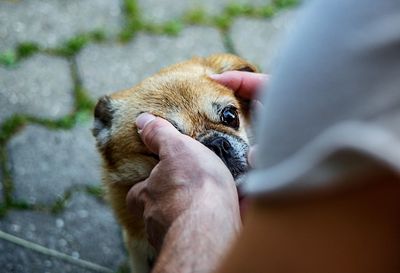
<point x="49" y="22"/>
<point x="17" y="259"/>
<point x="46" y="163"/>
<point x="108" y="68"/>
<point x="85" y="230"/>
<point x="161" y="11"/>
<point x="39" y="86"/>
<point x="259" y="40"/>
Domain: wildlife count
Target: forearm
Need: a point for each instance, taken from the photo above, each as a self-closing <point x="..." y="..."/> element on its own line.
<point x="196" y="243"/>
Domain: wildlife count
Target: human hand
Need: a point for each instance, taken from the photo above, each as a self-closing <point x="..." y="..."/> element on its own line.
<point x="247" y="86"/>
<point x="189" y="190"/>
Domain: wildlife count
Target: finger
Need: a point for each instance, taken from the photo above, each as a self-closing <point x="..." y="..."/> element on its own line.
<point x="245" y="84"/>
<point x="135" y="199"/>
<point x="156" y="132"/>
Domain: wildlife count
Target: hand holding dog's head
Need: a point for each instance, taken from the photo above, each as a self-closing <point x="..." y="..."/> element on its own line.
<point x="192" y="102"/>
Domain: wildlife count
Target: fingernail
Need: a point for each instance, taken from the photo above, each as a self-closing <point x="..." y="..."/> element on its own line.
<point x="215" y="76"/>
<point x="143" y="119"/>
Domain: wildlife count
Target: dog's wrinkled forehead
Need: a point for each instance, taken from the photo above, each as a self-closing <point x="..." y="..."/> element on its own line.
<point x="189" y="103"/>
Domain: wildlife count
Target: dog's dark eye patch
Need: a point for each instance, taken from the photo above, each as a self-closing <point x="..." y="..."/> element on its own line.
<point x="246" y="69"/>
<point x="175" y="125"/>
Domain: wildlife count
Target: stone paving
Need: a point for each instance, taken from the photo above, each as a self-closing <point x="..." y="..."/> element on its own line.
<point x="56" y="58"/>
<point x="44" y="92"/>
<point x="141" y="57"/>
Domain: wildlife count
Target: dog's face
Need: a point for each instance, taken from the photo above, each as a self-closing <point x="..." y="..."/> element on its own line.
<point x="184" y="95"/>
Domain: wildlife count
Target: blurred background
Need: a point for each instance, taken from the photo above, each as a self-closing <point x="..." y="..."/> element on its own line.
<point x="56" y="58"/>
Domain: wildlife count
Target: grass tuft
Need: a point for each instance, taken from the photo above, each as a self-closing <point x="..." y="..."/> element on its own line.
<point x="173" y="27"/>
<point x="267" y="11"/>
<point x="20" y="205"/>
<point x="98" y="35"/>
<point x="8" y="58"/>
<point x="66" y="122"/>
<point x="3" y="210"/>
<point x="285" y="3"/>
<point x="96" y="191"/>
<point x="133" y="21"/>
<point x="7" y="184"/>
<point x="236" y="9"/>
<point x="131" y="8"/>
<point x="223" y="22"/>
<point x="25" y="50"/>
<point x="11" y="126"/>
<point x="196" y="17"/>
<point x="73" y="46"/>
<point x="58" y="206"/>
<point x="82" y="100"/>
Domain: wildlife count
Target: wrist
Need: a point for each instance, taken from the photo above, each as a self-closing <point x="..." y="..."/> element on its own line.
<point x="199" y="238"/>
<point x="191" y="245"/>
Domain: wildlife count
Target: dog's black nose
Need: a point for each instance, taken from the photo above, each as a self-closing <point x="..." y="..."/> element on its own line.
<point x="231" y="149"/>
<point x="221" y="147"/>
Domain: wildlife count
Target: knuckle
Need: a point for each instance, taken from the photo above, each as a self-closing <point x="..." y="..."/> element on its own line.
<point x="175" y="147"/>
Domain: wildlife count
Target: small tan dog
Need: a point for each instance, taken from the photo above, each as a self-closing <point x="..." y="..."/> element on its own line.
<point x="196" y="105"/>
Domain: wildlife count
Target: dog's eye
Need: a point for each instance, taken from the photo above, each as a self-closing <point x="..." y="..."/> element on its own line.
<point x="230" y="117"/>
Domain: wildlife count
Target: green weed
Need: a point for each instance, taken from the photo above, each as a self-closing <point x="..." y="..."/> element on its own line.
<point x="8" y="58"/>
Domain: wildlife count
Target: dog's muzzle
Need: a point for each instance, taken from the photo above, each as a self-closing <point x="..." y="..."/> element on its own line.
<point x="231" y="149"/>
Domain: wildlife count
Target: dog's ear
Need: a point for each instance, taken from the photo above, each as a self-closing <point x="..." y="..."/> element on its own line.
<point x="103" y="116"/>
<point x="228" y="62"/>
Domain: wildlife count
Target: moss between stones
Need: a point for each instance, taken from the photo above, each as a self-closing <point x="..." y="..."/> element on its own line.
<point x="74" y="45"/>
<point x="22" y="51"/>
<point x="83" y="108"/>
<point x="59" y="205"/>
<point x="96" y="191"/>
<point x="133" y="23"/>
<point x="196" y="16"/>
<point x="6" y="179"/>
<point x="286" y="3"/>
<point x="8" y="58"/>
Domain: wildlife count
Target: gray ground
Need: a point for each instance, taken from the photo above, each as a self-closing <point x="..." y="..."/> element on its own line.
<point x="50" y="190"/>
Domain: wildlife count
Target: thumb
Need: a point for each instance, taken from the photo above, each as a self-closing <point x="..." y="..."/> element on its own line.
<point x="155" y="132"/>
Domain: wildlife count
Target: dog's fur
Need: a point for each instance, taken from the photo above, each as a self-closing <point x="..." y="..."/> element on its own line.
<point x="184" y="95"/>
